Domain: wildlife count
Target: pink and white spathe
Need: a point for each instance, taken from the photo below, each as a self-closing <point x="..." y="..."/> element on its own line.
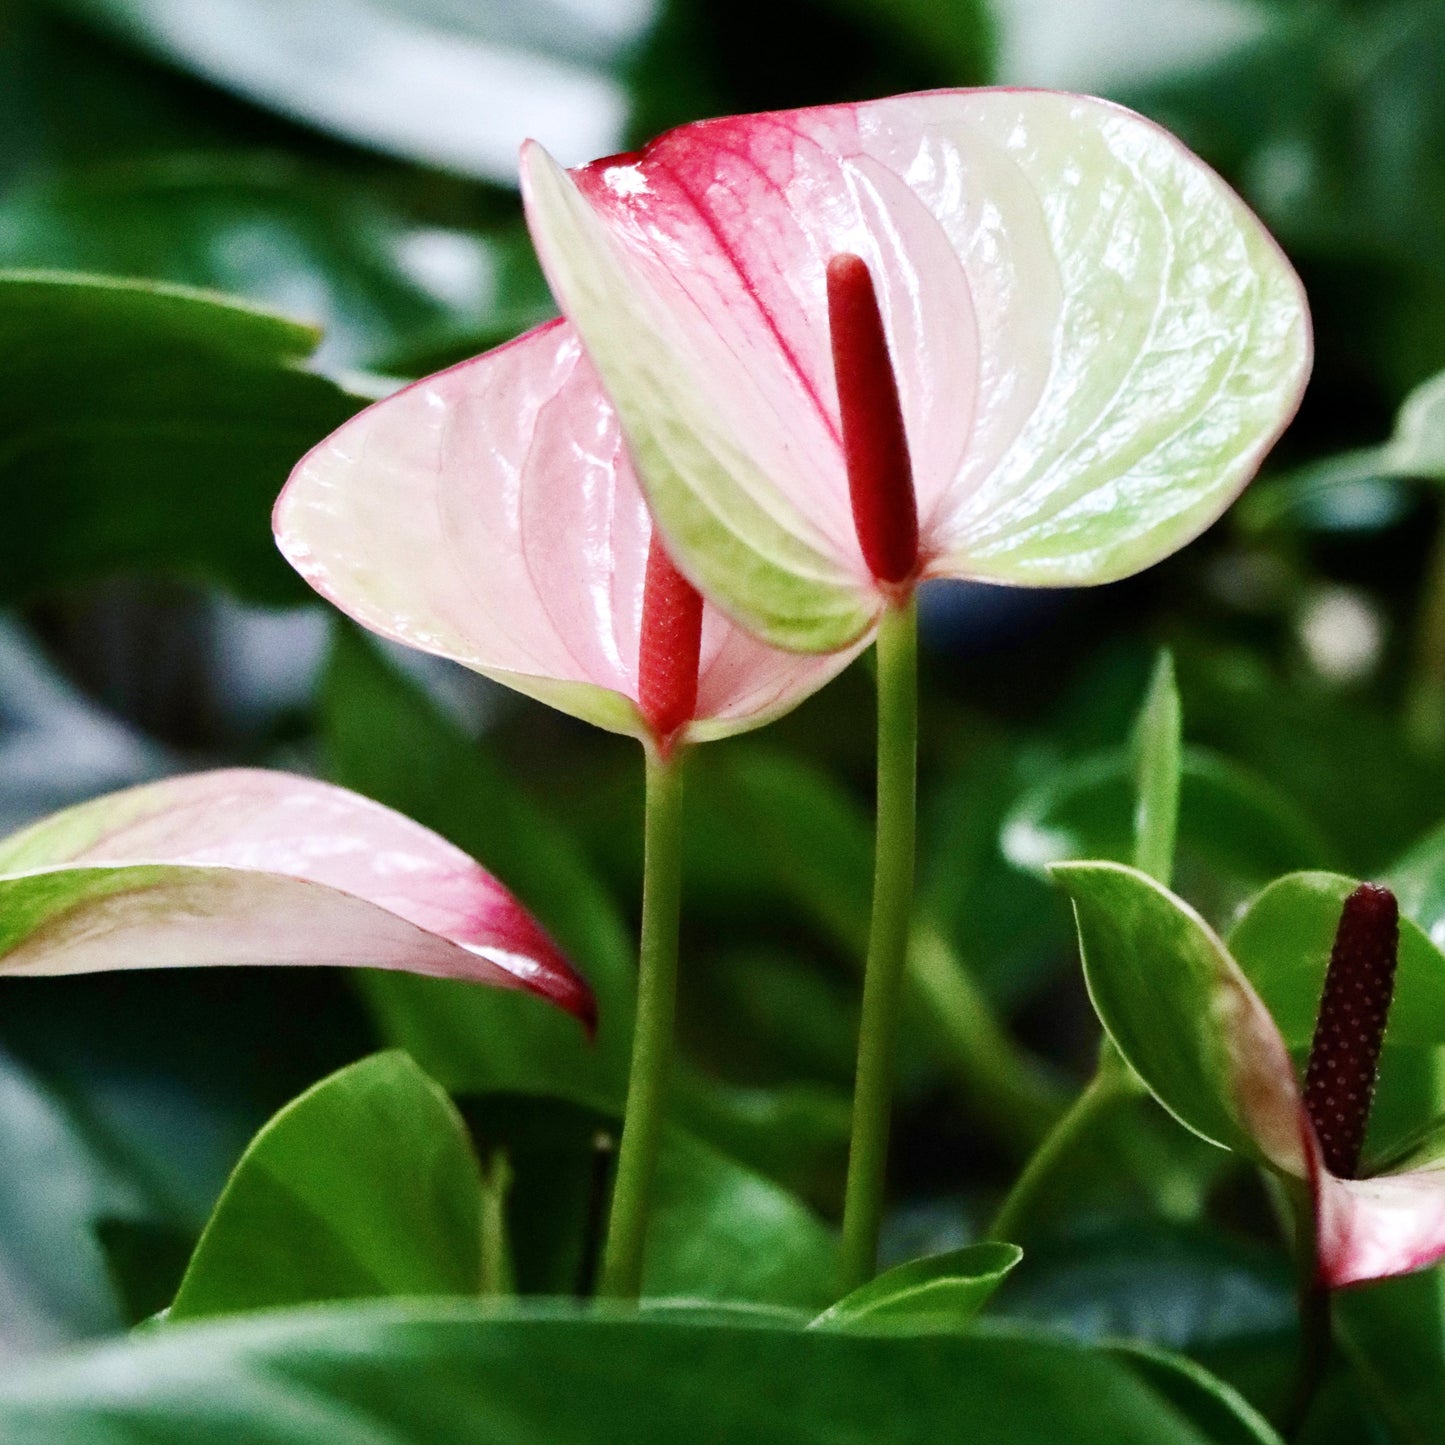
<point x="245" y="866"/>
<point x="1094" y="341"/>
<point x="490" y="514"/>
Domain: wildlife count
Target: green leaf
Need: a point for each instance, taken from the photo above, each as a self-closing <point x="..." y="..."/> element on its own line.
<point x="1283" y="943"/>
<point x="1182" y="1287"/>
<point x="384" y="738"/>
<point x="55" y="1187"/>
<point x="1182" y="1014"/>
<point x="365" y="1186"/>
<point x="719" y="1231"/>
<point x="430" y="1374"/>
<point x="149" y="427"/>
<point x="941" y="1292"/>
<point x="1394" y="1335"/>
<point x="1221" y="1412"/>
<point x="1236" y="831"/>
<point x="451" y="86"/>
<point x="273" y="229"/>
<point x="1156" y="747"/>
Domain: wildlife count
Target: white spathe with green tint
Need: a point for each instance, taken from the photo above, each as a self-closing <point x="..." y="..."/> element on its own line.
<point x="1095" y="340"/>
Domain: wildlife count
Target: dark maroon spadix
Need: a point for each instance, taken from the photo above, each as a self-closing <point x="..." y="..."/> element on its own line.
<point x="667" y="653"/>
<point x="1354" y="1007"/>
<point x="875" y="446"/>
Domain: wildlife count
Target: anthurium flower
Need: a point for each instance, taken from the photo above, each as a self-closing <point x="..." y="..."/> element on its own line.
<point x="1184" y="1014"/>
<point x="490" y="514"/>
<point x="245" y="866"/>
<point x="1087" y="339"/>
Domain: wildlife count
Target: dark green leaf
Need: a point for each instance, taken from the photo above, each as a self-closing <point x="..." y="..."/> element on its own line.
<point x="719" y="1231"/>
<point x="365" y="1186"/>
<point x="268" y="227"/>
<point x="1236" y="832"/>
<point x="433" y="1374"/>
<point x="149" y="427"/>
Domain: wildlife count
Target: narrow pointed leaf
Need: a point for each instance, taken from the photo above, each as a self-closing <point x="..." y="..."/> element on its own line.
<point x="1095" y="341"/>
<point x="940" y="1293"/>
<point x="243" y="866"/>
<point x="365" y="1186"/>
<point x="1157" y="745"/>
<point x="489" y="514"/>
<point x="1183" y="1015"/>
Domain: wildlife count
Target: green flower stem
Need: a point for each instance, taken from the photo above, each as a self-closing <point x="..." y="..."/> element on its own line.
<point x="652" y="1033"/>
<point x="496" y="1273"/>
<point x="887" y="941"/>
<point x="1112" y="1084"/>
<point x="1425" y="700"/>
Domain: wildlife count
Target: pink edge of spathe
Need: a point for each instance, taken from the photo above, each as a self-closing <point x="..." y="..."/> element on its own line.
<point x="937" y="556"/>
<point x="301" y="839"/>
<point x="742" y="682"/>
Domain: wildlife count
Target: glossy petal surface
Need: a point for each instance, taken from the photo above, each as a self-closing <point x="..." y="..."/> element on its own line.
<point x="1095" y="341"/>
<point x="489" y="514"/>
<point x="244" y="866"/>
<point x="1375" y="1228"/>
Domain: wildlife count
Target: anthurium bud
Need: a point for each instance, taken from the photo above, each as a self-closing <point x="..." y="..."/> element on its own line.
<point x="1344" y="1056"/>
<point x="875" y="446"/>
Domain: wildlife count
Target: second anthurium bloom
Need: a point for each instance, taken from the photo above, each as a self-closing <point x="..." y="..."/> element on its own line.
<point x="490" y="514"/>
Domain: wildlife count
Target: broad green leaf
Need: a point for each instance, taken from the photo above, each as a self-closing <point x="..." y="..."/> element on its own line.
<point x="452" y="86"/>
<point x="719" y="1231"/>
<point x="385" y="738"/>
<point x="939" y="1293"/>
<point x="1393" y="1333"/>
<point x="1219" y="1410"/>
<point x="1156" y="747"/>
<point x="427" y="1374"/>
<point x="365" y="1186"/>
<point x="1283" y="943"/>
<point x="148" y="427"/>
<point x="1183" y="1015"/>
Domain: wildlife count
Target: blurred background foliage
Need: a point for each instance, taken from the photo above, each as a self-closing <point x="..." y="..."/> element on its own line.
<point x="325" y="188"/>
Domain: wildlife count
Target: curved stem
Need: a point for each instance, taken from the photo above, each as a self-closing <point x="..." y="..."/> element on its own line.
<point x="1111" y="1083"/>
<point x="652" y="1034"/>
<point x="887" y="941"/>
<point x="1017" y="1099"/>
